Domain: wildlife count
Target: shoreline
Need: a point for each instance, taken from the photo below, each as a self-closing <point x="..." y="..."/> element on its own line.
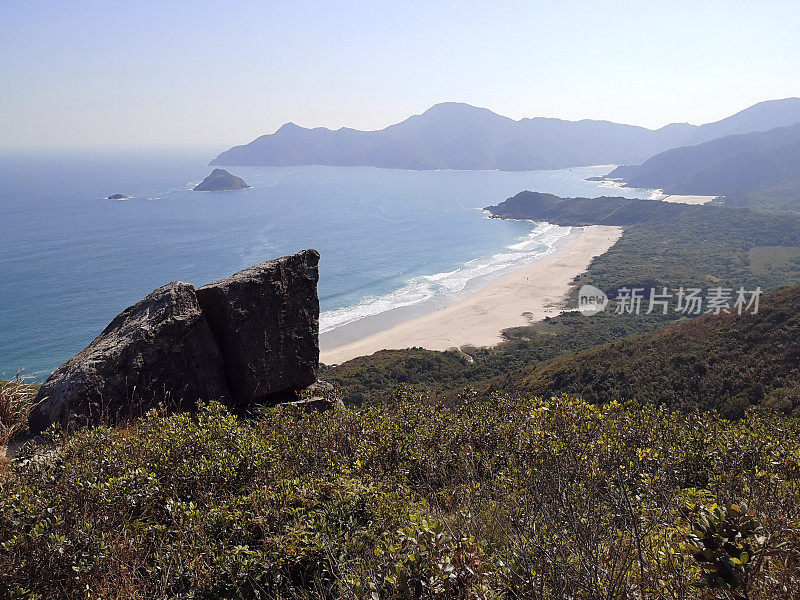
<point x="524" y="296"/>
<point x="687" y="199"/>
<point x="371" y="324"/>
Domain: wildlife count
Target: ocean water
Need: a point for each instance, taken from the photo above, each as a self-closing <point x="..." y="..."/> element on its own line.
<point x="70" y="260"/>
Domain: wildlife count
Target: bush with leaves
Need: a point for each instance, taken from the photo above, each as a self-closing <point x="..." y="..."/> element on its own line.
<point x="508" y="497"/>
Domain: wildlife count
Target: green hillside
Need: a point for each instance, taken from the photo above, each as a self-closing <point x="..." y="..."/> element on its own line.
<point x="725" y="361"/>
<point x="663" y="245"/>
<point x="672" y="245"/>
<point x="371" y="379"/>
<point x="760" y="169"/>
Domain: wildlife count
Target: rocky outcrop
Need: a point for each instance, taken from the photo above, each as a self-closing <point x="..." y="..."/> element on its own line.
<point x="221" y="181"/>
<point x="320" y="396"/>
<point x="158" y="350"/>
<point x="118" y="197"/>
<point x="252" y="337"/>
<point x="266" y="327"/>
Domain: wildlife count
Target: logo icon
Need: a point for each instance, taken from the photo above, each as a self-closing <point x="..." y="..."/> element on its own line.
<point x="591" y="300"/>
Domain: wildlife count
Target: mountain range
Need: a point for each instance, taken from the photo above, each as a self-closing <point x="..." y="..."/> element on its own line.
<point x="753" y="163"/>
<point x="459" y="136"/>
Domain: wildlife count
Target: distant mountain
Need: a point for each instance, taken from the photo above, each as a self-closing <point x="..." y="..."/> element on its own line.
<point x="759" y="117"/>
<point x="751" y="163"/>
<point x="459" y="136"/>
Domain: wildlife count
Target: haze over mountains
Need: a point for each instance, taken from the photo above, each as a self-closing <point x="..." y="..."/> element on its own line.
<point x="759" y="162"/>
<point x="459" y="136"/>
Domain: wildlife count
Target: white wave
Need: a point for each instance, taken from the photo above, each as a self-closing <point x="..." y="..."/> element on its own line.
<point x="440" y="276"/>
<point x="612" y="183"/>
<point x="408" y="295"/>
<point x="452" y="285"/>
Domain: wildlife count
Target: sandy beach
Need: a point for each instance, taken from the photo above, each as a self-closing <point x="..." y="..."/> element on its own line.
<point x="524" y="296"/>
<point x="687" y="199"/>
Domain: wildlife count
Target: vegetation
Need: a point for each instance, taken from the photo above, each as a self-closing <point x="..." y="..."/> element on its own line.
<point x="667" y="244"/>
<point x="16" y="398"/>
<point x="725" y="361"/>
<point x="782" y="197"/>
<point x="371" y="379"/>
<point x="765" y="260"/>
<point x="512" y="497"/>
<point x="674" y="246"/>
<point x="702" y="246"/>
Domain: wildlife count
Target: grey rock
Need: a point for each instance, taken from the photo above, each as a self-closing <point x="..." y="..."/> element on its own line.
<point x="266" y="322"/>
<point x="318" y="404"/>
<point x="250" y="338"/>
<point x="320" y="388"/>
<point x="158" y="350"/>
<point x="320" y="396"/>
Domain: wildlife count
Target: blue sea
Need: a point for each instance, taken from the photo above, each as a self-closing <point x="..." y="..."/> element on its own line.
<point x="70" y="260"/>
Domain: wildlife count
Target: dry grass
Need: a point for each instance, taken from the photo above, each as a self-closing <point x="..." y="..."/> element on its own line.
<point x="16" y="398"/>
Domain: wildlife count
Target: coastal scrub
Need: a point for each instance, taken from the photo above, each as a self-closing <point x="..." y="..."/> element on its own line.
<point x="505" y="498"/>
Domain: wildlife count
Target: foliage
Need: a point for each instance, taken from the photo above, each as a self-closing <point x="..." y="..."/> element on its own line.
<point x="782" y="197"/>
<point x="701" y="246"/>
<point x="730" y="545"/>
<point x="508" y="497"/>
<point x="725" y="361"/>
<point x="663" y="245"/>
<point x="16" y="398"/>
<point x="766" y="259"/>
<point x="371" y="379"/>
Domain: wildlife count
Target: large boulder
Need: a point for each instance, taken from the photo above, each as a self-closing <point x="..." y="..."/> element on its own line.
<point x="250" y="338"/>
<point x="266" y="322"/>
<point x="160" y="350"/>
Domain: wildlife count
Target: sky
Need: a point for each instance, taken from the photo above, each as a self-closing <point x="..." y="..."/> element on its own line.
<point x="181" y="73"/>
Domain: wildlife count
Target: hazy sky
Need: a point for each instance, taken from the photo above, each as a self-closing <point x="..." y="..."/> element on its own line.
<point x="196" y="72"/>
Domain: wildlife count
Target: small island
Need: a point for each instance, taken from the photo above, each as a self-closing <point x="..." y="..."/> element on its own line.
<point x="221" y="181"/>
<point x="118" y="197"/>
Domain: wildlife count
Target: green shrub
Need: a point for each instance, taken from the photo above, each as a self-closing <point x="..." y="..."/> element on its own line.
<point x="511" y="497"/>
<point x="16" y="398"/>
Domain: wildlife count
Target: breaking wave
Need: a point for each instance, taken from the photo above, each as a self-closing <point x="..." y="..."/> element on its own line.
<point x="450" y="286"/>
